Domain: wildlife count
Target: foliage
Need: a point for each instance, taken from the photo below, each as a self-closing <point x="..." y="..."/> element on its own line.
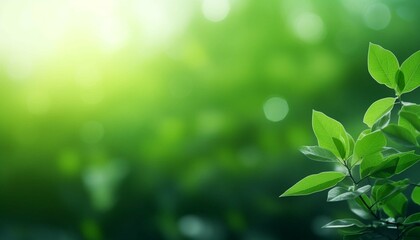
<point x="372" y="163"/>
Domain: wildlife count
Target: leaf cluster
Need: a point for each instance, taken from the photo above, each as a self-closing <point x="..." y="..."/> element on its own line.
<point x="373" y="162"/>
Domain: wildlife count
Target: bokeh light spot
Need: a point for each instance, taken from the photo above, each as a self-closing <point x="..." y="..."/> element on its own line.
<point x="215" y="10"/>
<point x="276" y="109"/>
<point x="377" y="16"/>
<point x="406" y="13"/>
<point x="308" y="27"/>
<point x="160" y="20"/>
<point x="194" y="227"/>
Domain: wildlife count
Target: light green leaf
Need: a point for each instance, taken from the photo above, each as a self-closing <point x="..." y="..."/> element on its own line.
<point x="414" y="218"/>
<point x="344" y="223"/>
<point x="369" y="144"/>
<point x="315" y="183"/>
<point x="382" y="65"/>
<point x="325" y="129"/>
<point x="400" y="135"/>
<point x="342" y="193"/>
<point x="396" y="206"/>
<point x="370" y="163"/>
<point x="411" y="70"/>
<point x="382" y="122"/>
<point x="415" y="195"/>
<point x="378" y="110"/>
<point x="318" y="154"/>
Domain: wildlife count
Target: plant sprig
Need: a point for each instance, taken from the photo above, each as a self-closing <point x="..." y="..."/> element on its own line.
<point x="380" y="152"/>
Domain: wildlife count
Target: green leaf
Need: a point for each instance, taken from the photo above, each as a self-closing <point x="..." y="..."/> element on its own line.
<point x="406" y="160"/>
<point x="399" y="79"/>
<point x="385" y="169"/>
<point x="410" y="117"/>
<point x="388" y="151"/>
<point x="340" y="147"/>
<point x="400" y="135"/>
<point x="370" y="163"/>
<point x="344" y="223"/>
<point x="342" y="193"/>
<point x="357" y="206"/>
<point x="377" y="110"/>
<point x="315" y="183"/>
<point x="415" y="195"/>
<point x="382" y="122"/>
<point x="369" y="144"/>
<point x="411" y="70"/>
<point x="382" y="65"/>
<point x="384" y="191"/>
<point x="414" y="218"/>
<point x="395" y="164"/>
<point x="325" y="129"/>
<point x="318" y="154"/>
<point x="396" y="206"/>
<point x="351" y="144"/>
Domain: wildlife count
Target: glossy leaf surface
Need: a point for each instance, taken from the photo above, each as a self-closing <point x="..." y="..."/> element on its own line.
<point x="315" y="183"/>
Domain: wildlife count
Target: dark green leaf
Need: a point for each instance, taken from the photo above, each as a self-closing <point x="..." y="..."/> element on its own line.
<point x="395" y="164"/>
<point x="318" y="154"/>
<point x="382" y="65"/>
<point x="414" y="218"/>
<point x="377" y="110"/>
<point x="400" y="135"/>
<point x="385" y="169"/>
<point x="340" y="147"/>
<point x="341" y="193"/>
<point x="396" y="206"/>
<point x="384" y="191"/>
<point x="411" y="70"/>
<point x="399" y="79"/>
<point x="406" y="160"/>
<point x="410" y="117"/>
<point x="315" y="183"/>
<point x="388" y="151"/>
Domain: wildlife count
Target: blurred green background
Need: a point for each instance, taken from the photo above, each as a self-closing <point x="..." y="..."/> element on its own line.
<point x="177" y="119"/>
